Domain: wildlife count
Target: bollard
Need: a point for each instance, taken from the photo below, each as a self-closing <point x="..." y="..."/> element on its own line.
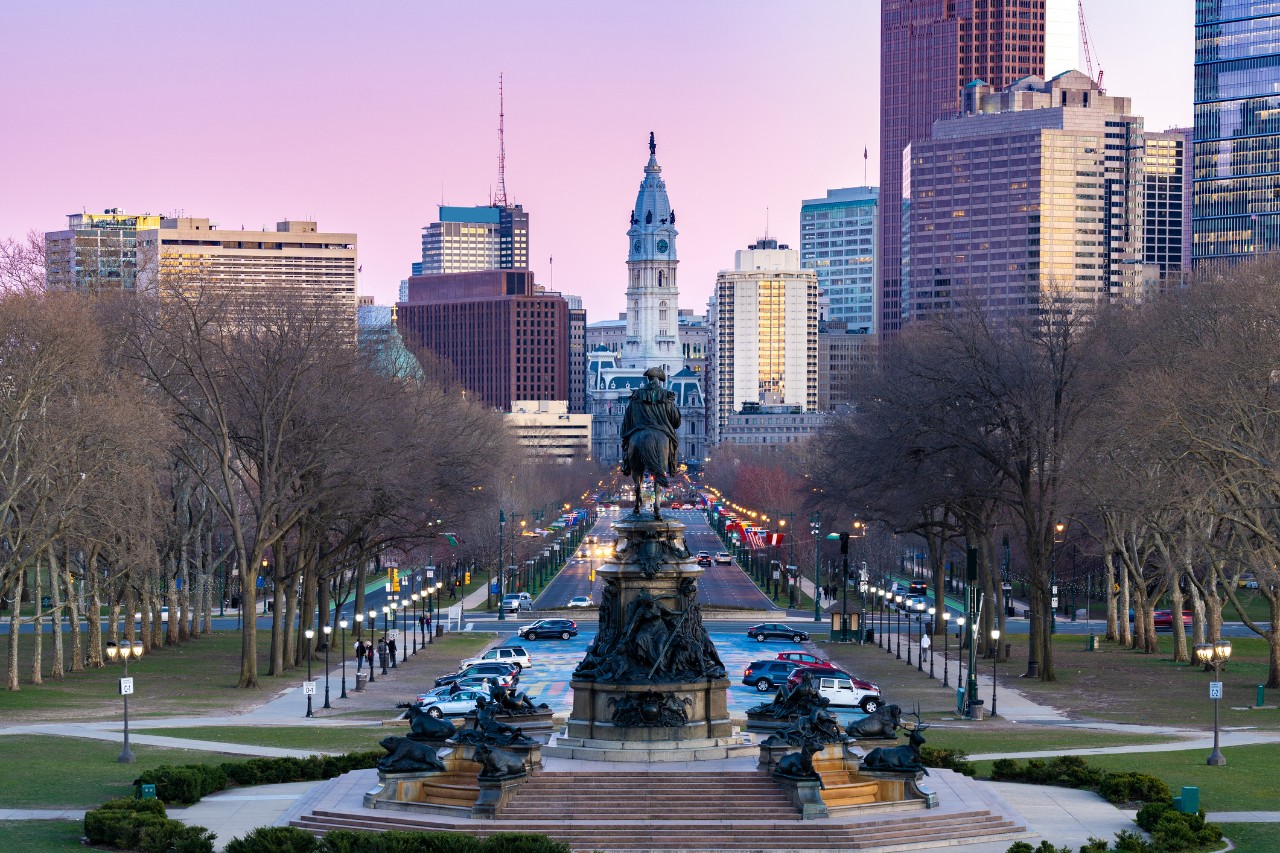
<point x="1260" y="696"/>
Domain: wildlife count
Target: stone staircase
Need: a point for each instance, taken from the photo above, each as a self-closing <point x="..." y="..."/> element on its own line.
<point x="685" y="811"/>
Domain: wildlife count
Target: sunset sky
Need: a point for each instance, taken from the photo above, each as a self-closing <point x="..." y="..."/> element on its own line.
<point x="364" y="115"/>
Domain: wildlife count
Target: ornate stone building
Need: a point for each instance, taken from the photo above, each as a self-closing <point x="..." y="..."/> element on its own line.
<point x="652" y="334"/>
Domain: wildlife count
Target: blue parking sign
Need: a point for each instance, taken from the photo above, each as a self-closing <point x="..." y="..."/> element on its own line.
<point x="494" y="588"/>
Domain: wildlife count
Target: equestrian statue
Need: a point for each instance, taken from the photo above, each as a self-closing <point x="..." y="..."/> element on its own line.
<point x="649" y="443"/>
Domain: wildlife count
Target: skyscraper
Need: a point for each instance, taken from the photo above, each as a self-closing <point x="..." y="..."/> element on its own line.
<point x="929" y="50"/>
<point x="1237" y="129"/>
<point x="652" y="330"/>
<point x="765" y="328"/>
<point x="1043" y="190"/>
<point x="838" y="242"/>
<point x="469" y="239"/>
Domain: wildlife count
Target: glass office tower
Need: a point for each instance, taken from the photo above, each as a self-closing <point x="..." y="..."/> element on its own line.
<point x="1237" y="129"/>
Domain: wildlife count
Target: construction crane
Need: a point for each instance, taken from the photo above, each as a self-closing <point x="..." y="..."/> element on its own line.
<point x="1088" y="54"/>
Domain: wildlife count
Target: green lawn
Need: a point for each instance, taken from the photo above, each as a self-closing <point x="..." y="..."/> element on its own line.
<point x="47" y="772"/>
<point x="978" y="738"/>
<point x="42" y="836"/>
<point x="1248" y="782"/>
<point x="318" y="738"/>
<point x="1253" y="837"/>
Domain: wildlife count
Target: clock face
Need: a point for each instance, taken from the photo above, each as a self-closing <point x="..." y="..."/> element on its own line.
<point x="637" y="244"/>
<point x="662" y="247"/>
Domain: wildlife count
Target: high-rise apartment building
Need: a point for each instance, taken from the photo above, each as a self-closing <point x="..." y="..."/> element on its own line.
<point x="838" y="242"/>
<point x="1167" y="188"/>
<point x="467" y="239"/>
<point x="929" y="50"/>
<point x="577" y="355"/>
<point x="506" y="338"/>
<point x="1039" y="190"/>
<point x="295" y="261"/>
<point x="1237" y="129"/>
<point x="765" y="328"/>
<point x="96" y="251"/>
<point x="650" y="333"/>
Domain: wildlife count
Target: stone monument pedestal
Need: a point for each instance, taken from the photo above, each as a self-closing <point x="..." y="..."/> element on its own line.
<point x="596" y="707"/>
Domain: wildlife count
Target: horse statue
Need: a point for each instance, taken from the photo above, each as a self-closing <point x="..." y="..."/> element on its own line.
<point x="649" y="442"/>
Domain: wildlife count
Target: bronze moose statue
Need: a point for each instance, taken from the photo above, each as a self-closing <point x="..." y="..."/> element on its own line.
<point x="900" y="759"/>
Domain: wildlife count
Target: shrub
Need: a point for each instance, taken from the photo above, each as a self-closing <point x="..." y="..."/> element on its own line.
<point x="142" y="825"/>
<point x="1132" y="787"/>
<point x="522" y="842"/>
<point x="275" y="839"/>
<point x="1131" y="842"/>
<point x="947" y="759"/>
<point x="1005" y="770"/>
<point x="185" y="783"/>
<point x="1065" y="771"/>
<point x="1095" y="845"/>
<point x="174" y="835"/>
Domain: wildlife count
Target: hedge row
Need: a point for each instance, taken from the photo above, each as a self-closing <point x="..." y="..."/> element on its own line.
<point x="1171" y="832"/>
<point x="289" y="839"/>
<point x="947" y="759"/>
<point x="142" y="825"/>
<point x="1069" y="771"/>
<point x="187" y="783"/>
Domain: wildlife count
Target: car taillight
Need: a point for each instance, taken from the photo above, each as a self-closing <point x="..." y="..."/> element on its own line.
<point x="746" y="673"/>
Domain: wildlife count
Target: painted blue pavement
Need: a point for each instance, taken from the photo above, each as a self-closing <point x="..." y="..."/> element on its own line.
<point x="554" y="661"/>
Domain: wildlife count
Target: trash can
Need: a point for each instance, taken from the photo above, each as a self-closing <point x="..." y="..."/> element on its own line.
<point x="361" y="680"/>
<point x="1091" y="644"/>
<point x="975" y="709"/>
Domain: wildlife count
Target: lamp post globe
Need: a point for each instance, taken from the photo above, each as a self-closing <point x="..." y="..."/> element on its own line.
<point x="995" y="663"/>
<point x="328" y="631"/>
<point x="373" y="629"/>
<point x="309" y="634"/>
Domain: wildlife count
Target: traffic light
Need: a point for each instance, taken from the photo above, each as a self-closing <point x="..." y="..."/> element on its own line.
<point x="468" y="578"/>
<point x="393" y="578"/>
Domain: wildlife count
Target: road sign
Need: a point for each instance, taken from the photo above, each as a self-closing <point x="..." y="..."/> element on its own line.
<point x="308" y="688"/>
<point x="393" y="634"/>
<point x="494" y="588"/>
<point x="431" y="573"/>
<point x="1053" y="602"/>
<point x="126" y="687"/>
<point x="1215" y="689"/>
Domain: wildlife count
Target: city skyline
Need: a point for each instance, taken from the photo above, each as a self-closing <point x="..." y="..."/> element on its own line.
<point x="253" y="125"/>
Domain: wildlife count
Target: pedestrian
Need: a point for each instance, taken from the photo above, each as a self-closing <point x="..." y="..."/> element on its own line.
<point x="359" y="654"/>
<point x="422" y="624"/>
<point x="368" y="650"/>
<point x="453" y="591"/>
<point x="428" y="624"/>
<point x="391" y="648"/>
<point x="382" y="652"/>
<point x="925" y="643"/>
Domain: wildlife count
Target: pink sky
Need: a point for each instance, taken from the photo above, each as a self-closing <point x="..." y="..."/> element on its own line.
<point x="360" y="115"/>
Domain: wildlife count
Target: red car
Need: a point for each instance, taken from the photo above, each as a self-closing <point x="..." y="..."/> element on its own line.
<point x="806" y="659"/>
<point x="1163" y="619"/>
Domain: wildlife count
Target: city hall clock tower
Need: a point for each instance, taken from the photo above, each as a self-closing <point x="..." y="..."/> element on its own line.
<point x="653" y="314"/>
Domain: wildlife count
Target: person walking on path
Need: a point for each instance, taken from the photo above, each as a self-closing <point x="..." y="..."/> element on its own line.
<point x="430" y="634"/>
<point x="925" y="643"/>
<point x="391" y="650"/>
<point x="359" y="654"/>
<point x="368" y="650"/>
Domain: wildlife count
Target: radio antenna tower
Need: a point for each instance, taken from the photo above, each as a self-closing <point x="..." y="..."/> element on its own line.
<point x="500" y="200"/>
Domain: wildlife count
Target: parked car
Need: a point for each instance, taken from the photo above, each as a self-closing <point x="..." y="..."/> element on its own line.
<point x="562" y="628"/>
<point x="1163" y="619"/>
<point x="806" y="659"/>
<point x="508" y="654"/>
<point x="494" y="670"/>
<point x="724" y="559"/>
<point x="1248" y="580"/>
<point x="579" y="601"/>
<point x="816" y="671"/>
<point x="774" y="631"/>
<point x="766" y="675"/>
<point x="441" y="703"/>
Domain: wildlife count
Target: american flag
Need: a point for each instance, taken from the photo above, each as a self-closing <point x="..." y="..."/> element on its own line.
<point x="753" y="538"/>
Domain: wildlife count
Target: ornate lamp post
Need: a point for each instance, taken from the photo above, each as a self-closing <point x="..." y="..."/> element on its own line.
<point x="413" y="625"/>
<point x="502" y="525"/>
<point x="815" y="526"/>
<point x="897" y="616"/>
<point x="373" y="629"/>
<point x="946" y="638"/>
<point x="404" y="647"/>
<point x="959" y="650"/>
<point x="995" y="662"/>
<point x="919" y="614"/>
<point x="328" y="631"/>
<point x="886" y="642"/>
<point x="1215" y="654"/>
<point x="125" y="650"/>
<point x="310" y="635"/>
<point x="436" y="628"/>
<point x="342" y="623"/>
<point x="932" y="612"/>
<point x="911" y="609"/>
<point x="386" y="632"/>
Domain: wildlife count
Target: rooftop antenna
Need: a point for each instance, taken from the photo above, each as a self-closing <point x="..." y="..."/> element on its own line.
<point x="501" y="199"/>
<point x="766" y="222"/>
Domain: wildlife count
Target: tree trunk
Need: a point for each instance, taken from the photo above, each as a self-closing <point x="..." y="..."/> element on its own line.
<point x="58" y="670"/>
<point x="1109" y="580"/>
<point x="1126" y="634"/>
<point x="15" y="622"/>
<point x="95" y="611"/>
<point x="37" y="622"/>
<point x="248" y="621"/>
<point x="1179" y="630"/>
<point x="360" y="581"/>
<point x="73" y="611"/>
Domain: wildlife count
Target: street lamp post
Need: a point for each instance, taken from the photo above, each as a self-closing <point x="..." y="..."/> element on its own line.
<point x="886" y="640"/>
<point x="1215" y="654"/>
<point x="959" y="651"/>
<point x="844" y="582"/>
<point x="404" y="647"/>
<point x="911" y="608"/>
<point x="342" y="623"/>
<point x="920" y="619"/>
<point x="328" y="632"/>
<point x="897" y="626"/>
<point x="125" y="650"/>
<point x="932" y="612"/>
<point x="946" y="639"/>
<point x="386" y="634"/>
<point x="502" y="525"/>
<point x="310" y="634"/>
<point x="815" y="525"/>
<point x="373" y="629"/>
<point x="435" y="629"/>
<point x="413" y="625"/>
<point x="995" y="663"/>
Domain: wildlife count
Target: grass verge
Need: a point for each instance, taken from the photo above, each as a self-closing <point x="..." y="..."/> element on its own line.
<point x="984" y="737"/>
<point x="42" y="836"/>
<point x="1253" y="837"/>
<point x="1248" y="782"/>
<point x="318" y="738"/>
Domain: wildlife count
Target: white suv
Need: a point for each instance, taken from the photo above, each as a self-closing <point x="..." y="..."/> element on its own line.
<point x="505" y="654"/>
<point x="514" y="602"/>
<point x="842" y="691"/>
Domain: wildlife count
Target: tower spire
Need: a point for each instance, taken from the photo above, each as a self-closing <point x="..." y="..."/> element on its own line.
<point x="500" y="200"/>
